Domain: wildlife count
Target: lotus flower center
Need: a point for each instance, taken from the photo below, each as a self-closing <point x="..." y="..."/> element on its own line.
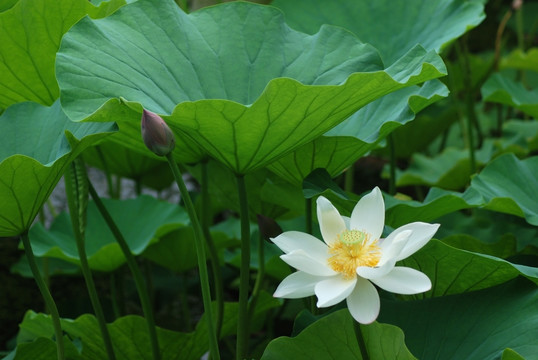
<point x="353" y="248"/>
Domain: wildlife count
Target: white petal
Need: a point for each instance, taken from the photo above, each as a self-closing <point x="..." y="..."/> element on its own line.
<point x="392" y="246"/>
<point x="404" y="280"/>
<point x="303" y="261"/>
<point x="297" y="285"/>
<point x="363" y="303"/>
<point x="368" y="272"/>
<point x="333" y="290"/>
<point x="369" y="214"/>
<point x="331" y="223"/>
<point x="421" y="234"/>
<point x="294" y="240"/>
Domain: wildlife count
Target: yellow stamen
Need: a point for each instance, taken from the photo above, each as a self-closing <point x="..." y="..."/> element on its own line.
<point x="352" y="249"/>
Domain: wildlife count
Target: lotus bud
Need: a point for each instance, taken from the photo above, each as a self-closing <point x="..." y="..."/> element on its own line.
<point x="156" y="134"/>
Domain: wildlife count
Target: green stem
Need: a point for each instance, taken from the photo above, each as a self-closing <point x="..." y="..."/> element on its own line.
<point x="47" y="297"/>
<point x="108" y="177"/>
<point x="469" y="101"/>
<point x="392" y="179"/>
<point x="135" y="270"/>
<point x="259" y="278"/>
<point x="114" y="294"/>
<point x="360" y="340"/>
<point x="213" y="255"/>
<point x="200" y="252"/>
<point x="244" y="275"/>
<point x="75" y="188"/>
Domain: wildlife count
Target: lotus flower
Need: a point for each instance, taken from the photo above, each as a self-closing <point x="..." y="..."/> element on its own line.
<point x="353" y="257"/>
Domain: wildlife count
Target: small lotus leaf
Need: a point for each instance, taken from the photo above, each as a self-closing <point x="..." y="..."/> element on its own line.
<point x="38" y="144"/>
<point x="500" y="88"/>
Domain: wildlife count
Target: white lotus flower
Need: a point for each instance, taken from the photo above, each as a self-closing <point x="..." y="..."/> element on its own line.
<point x="352" y="257"/>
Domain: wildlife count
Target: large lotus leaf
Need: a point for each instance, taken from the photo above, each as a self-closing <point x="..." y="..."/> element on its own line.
<point x="500" y="88"/>
<point x="471" y="326"/>
<point x="392" y="27"/>
<point x="31" y="32"/>
<point x="114" y="158"/>
<point x="520" y="60"/>
<point x="510" y="185"/>
<point x="489" y="227"/>
<point x="333" y="337"/>
<point x="362" y="18"/>
<point x="7" y="4"/>
<point x="216" y="71"/>
<point x="38" y="143"/>
<point x="454" y="271"/>
<point x="437" y="203"/>
<point x="140" y="220"/>
<point x="449" y="170"/>
<point x="503" y="249"/>
<point x="359" y="134"/>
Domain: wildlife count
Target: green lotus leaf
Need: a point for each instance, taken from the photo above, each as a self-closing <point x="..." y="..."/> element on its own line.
<point x="503" y="249"/>
<point x="129" y="338"/>
<point x="140" y="220"/>
<point x="520" y="60"/>
<point x="38" y="144"/>
<point x="31" y="32"/>
<point x="333" y="337"/>
<point x="493" y="229"/>
<point x="437" y="203"/>
<point x="519" y="137"/>
<point x="216" y="72"/>
<point x="129" y="334"/>
<point x="392" y="27"/>
<point x="455" y="271"/>
<point x="7" y="4"/>
<point x="474" y="326"/>
<point x="362" y="18"/>
<point x="509" y="354"/>
<point x="500" y="88"/>
<point x="359" y="134"/>
<point x="509" y="185"/>
<point x="449" y="170"/>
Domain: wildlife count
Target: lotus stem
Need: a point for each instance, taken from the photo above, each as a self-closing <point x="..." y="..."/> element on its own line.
<point x="75" y="188"/>
<point x="47" y="297"/>
<point x="200" y="253"/>
<point x="213" y="255"/>
<point x="360" y="340"/>
<point x="244" y="272"/>
<point x="135" y="270"/>
<point x="259" y="278"/>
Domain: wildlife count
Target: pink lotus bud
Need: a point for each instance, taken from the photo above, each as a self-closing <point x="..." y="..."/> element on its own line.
<point x="156" y="134"/>
<point x="517" y="4"/>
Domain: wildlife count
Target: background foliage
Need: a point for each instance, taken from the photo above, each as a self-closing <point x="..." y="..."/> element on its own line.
<point x="433" y="101"/>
